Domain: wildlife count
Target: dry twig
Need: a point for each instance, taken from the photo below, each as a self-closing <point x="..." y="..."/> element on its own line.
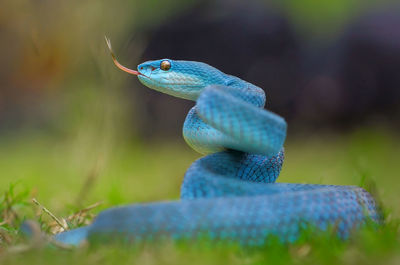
<point x="50" y="214"/>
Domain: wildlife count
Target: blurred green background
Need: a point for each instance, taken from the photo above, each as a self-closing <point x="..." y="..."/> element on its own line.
<point x="74" y="130"/>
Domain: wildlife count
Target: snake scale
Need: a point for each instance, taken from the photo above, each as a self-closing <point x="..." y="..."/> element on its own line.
<point x="230" y="194"/>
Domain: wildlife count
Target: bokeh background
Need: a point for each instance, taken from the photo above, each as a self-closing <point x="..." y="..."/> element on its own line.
<point x="75" y="130"/>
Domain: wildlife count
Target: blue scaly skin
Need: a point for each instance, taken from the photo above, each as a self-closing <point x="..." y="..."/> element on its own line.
<point x="229" y="194"/>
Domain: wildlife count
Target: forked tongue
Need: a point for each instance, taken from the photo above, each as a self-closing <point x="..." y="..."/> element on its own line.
<point x="120" y="66"/>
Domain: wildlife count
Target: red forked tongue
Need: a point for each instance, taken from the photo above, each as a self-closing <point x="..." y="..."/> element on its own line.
<point x="120" y="66"/>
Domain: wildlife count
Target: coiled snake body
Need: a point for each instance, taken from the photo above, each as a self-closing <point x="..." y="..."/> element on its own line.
<point x="229" y="194"/>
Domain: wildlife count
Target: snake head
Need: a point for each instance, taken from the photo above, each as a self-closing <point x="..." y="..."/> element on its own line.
<point x="184" y="79"/>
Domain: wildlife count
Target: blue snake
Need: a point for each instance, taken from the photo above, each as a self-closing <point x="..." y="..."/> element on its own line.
<point x="230" y="194"/>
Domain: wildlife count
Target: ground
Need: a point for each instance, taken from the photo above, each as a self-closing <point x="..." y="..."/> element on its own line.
<point x="66" y="175"/>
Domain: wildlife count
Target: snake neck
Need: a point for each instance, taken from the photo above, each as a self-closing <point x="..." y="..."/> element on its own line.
<point x="245" y="91"/>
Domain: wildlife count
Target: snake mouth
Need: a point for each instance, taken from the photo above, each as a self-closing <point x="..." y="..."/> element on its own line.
<point x="139" y="74"/>
<point x="143" y="76"/>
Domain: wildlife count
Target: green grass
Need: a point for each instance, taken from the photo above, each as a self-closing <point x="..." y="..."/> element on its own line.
<point x="66" y="175"/>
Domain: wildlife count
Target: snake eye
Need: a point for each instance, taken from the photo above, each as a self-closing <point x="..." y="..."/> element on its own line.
<point x="165" y="65"/>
